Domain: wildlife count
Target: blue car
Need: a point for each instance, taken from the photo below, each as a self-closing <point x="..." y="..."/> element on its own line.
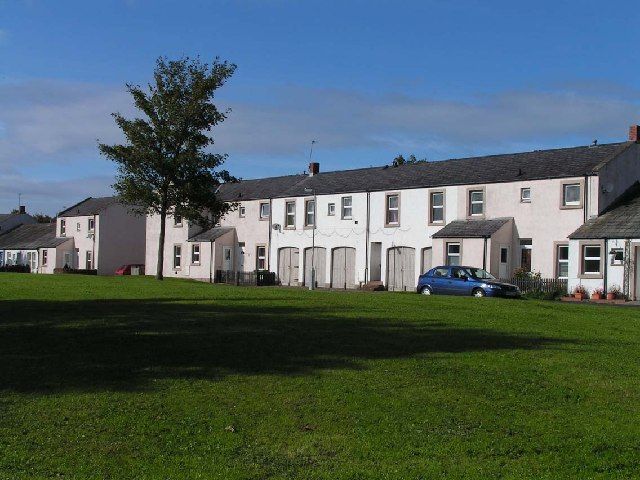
<point x="459" y="280"/>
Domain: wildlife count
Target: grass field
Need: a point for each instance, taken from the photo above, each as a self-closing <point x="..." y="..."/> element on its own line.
<point x="131" y="378"/>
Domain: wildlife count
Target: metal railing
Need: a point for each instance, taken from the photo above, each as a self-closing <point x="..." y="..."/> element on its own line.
<point x="542" y="285"/>
<point x="258" y="278"/>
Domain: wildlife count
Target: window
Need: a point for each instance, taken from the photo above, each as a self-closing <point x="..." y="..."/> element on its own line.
<point x="617" y="256"/>
<point x="177" y="220"/>
<point x="571" y="194"/>
<point x="261" y="257"/>
<point x="476" y="202"/>
<point x="453" y="253"/>
<point x="290" y="215"/>
<point x="393" y="209"/>
<point x="77" y="226"/>
<point x="177" y="255"/>
<point x="63" y="228"/>
<point x="562" y="261"/>
<point x="504" y="255"/>
<point x="437" y="207"/>
<point x="45" y="255"/>
<point x="89" y="260"/>
<point x="331" y="209"/>
<point x="90" y="224"/>
<point x="242" y="211"/>
<point x="347" y="209"/>
<point x="525" y="195"/>
<point x="526" y="245"/>
<point x="591" y="259"/>
<point x="440" y="272"/>
<point x="265" y="211"/>
<point x="195" y="254"/>
<point x="309" y="213"/>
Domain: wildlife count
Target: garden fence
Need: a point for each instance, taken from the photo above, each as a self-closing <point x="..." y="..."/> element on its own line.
<point x="533" y="284"/>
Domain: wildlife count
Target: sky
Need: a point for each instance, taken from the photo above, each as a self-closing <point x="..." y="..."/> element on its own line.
<point x="367" y="80"/>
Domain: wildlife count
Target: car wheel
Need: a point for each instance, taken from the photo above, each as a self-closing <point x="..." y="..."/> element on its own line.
<point x="478" y="292"/>
<point x="425" y="291"/>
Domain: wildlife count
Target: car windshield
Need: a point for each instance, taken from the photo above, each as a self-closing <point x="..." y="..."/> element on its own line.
<point x="480" y="273"/>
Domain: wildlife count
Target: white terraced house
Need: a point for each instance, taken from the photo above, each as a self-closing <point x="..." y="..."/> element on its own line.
<point x="35" y="245"/>
<point x="390" y="224"/>
<point x="105" y="235"/>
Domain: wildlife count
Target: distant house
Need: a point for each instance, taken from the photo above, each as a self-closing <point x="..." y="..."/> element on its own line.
<point x="35" y="245"/>
<point x="605" y="251"/>
<point x="11" y="220"/>
<point x="105" y="234"/>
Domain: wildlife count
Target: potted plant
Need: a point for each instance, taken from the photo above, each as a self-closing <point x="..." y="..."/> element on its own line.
<point x="614" y="292"/>
<point x="597" y="294"/>
<point x="580" y="293"/>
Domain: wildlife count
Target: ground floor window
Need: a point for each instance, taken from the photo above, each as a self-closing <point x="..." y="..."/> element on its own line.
<point x="591" y="259"/>
<point x="89" y="260"/>
<point x="45" y="255"/>
<point x="526" y="246"/>
<point x="195" y="254"/>
<point x="261" y="257"/>
<point x="177" y="256"/>
<point x="562" y="261"/>
<point x="453" y="253"/>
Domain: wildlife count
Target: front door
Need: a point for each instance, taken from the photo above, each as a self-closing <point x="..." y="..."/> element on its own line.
<point x="227" y="258"/>
<point x="32" y="260"/>
<point x="504" y="262"/>
<point x="241" y="253"/>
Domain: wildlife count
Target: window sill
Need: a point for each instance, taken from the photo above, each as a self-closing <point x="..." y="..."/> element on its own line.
<point x="391" y="225"/>
<point x="570" y="207"/>
<point x="590" y="276"/>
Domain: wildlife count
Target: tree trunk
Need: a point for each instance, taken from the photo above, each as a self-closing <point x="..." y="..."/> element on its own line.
<point x="160" y="266"/>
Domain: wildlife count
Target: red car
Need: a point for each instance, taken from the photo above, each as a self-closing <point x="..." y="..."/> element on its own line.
<point x="131" y="269"/>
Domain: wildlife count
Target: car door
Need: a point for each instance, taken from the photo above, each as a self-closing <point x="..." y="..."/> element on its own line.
<point x="439" y="280"/>
<point x="458" y="284"/>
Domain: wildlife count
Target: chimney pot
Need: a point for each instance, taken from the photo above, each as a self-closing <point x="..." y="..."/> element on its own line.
<point x="634" y="133"/>
<point x="314" y="168"/>
<point x="23" y="209"/>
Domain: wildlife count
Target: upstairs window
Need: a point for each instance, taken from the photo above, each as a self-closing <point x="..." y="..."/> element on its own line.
<point x="290" y="215"/>
<point x="525" y="195"/>
<point x="331" y="209"/>
<point x="310" y="213"/>
<point x="347" y="209"/>
<point x="476" y="202"/>
<point x="571" y="194"/>
<point x="63" y="228"/>
<point x="177" y="220"/>
<point x="265" y="211"/>
<point x="437" y="207"/>
<point x="90" y="225"/>
<point x="393" y="209"/>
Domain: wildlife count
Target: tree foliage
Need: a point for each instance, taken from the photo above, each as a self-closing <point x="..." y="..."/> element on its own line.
<point x="166" y="165"/>
<point x="400" y="160"/>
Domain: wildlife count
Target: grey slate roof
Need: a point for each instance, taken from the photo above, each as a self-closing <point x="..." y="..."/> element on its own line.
<point x="211" y="234"/>
<point x="88" y="206"/>
<point x="4" y="216"/>
<point x="31" y="237"/>
<point x="471" y="228"/>
<point x="620" y="220"/>
<point x="536" y="165"/>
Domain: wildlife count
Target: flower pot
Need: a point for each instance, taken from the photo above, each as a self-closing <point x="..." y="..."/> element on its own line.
<point x="579" y="296"/>
<point x="596" y="296"/>
<point x="611" y="296"/>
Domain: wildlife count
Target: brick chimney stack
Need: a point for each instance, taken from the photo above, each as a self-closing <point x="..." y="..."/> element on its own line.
<point x="314" y="168"/>
<point x="634" y="133"/>
<point x="23" y="209"/>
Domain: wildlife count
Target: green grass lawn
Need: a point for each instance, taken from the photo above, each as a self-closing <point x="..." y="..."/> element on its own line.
<point x="132" y="378"/>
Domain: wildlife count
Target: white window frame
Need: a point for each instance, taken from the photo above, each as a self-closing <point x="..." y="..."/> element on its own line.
<point x="195" y="252"/>
<point x="331" y="210"/>
<point x="291" y="214"/>
<point x="242" y="211"/>
<point x="177" y="256"/>
<point x="433" y="207"/>
<point x="77" y="226"/>
<point x="473" y="202"/>
<point x="346" y="210"/>
<point x="449" y="255"/>
<point x="309" y="211"/>
<point x="63" y="228"/>
<point x="585" y="259"/>
<point x="177" y="220"/>
<point x="523" y="198"/>
<point x="90" y="225"/>
<point x="263" y="215"/>
<point x="613" y="253"/>
<point x="389" y="209"/>
<point x="560" y="261"/>
<point x="45" y="255"/>
<point x="88" y="260"/>
<point x="572" y="203"/>
<point x="261" y="258"/>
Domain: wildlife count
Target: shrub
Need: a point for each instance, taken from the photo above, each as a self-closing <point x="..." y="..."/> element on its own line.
<point x="15" y="268"/>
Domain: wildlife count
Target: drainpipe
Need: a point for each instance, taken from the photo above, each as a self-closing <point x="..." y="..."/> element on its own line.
<point x="366" y="239"/>
<point x="585" y="205"/>
<point x="268" y="252"/>
<point x="484" y="254"/>
<point x="94" y="257"/>
<point x="211" y="262"/>
<point x="606" y="266"/>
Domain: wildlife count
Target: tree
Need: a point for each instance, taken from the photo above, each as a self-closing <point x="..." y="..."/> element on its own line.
<point x="42" y="218"/>
<point x="400" y="160"/>
<point x="164" y="166"/>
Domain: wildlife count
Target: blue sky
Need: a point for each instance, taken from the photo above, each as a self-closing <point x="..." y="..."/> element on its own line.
<point x="366" y="79"/>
